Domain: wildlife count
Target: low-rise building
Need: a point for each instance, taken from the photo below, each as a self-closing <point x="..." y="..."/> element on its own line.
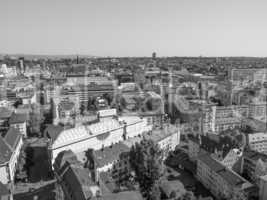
<point x="113" y="159"/>
<point x="19" y="121"/>
<point x="167" y="138"/>
<point x="258" y="142"/>
<point x="254" y="165"/>
<point x="10" y="146"/>
<point x="5" y="114"/>
<point x="220" y="180"/>
<point x="97" y="135"/>
<point x="74" y="178"/>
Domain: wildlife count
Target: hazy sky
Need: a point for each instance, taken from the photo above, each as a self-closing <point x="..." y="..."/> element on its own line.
<point x="134" y="27"/>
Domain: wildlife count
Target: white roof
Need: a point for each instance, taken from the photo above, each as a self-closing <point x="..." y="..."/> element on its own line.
<point x="130" y="119"/>
<point x="83" y="132"/>
<point x="72" y="135"/>
<point x="107" y="112"/>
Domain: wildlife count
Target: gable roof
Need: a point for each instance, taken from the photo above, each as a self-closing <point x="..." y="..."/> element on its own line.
<point x="228" y="175"/>
<point x="8" y="144"/>
<point x="12" y="137"/>
<point x="53" y="131"/>
<point x="63" y="157"/>
<point x="80" y="180"/>
<point x="5" y="151"/>
<point x="109" y="154"/>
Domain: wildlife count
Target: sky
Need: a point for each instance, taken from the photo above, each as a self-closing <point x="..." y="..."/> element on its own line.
<point x="134" y="27"/>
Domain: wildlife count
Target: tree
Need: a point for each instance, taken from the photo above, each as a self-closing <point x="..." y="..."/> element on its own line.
<point x="239" y="195"/>
<point x="82" y="109"/>
<point x="146" y="160"/>
<point x="18" y="102"/>
<point x="155" y="192"/>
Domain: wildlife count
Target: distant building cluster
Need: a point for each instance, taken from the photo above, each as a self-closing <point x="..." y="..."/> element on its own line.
<point x="207" y="116"/>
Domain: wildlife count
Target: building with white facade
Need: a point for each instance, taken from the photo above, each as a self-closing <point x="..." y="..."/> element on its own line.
<point x="257" y="110"/>
<point x="19" y="121"/>
<point x="10" y="146"/>
<point x="220" y="180"/>
<point x="115" y="158"/>
<point x="97" y="135"/>
<point x="254" y="165"/>
<point x="258" y="142"/>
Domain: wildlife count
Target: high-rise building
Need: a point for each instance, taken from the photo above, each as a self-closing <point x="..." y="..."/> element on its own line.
<point x="21" y="65"/>
<point x="154" y="55"/>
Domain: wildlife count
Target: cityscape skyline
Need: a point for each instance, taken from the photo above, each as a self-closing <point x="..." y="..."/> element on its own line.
<point x="126" y="28"/>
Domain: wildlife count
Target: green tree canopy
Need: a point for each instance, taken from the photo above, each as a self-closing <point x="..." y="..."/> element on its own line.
<point x="147" y="162"/>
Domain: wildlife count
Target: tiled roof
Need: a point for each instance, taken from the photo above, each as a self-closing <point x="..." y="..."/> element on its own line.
<point x="228" y="175"/>
<point x="108" y="182"/>
<point x="18" y="118"/>
<point x="110" y="154"/>
<point x="67" y="166"/>
<point x="78" y="177"/>
<point x="5" y="151"/>
<point x="254" y="155"/>
<point x="62" y="158"/>
<point x="172" y="186"/>
<point x="156" y="135"/>
<point x="12" y="137"/>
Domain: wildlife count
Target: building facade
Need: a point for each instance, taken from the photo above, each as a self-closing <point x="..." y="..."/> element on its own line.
<point x="221" y="181"/>
<point x="10" y="147"/>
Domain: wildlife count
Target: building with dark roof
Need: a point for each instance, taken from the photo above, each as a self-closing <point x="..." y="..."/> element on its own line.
<point x="254" y="165"/>
<point x="19" y="121"/>
<point x="220" y="180"/>
<point x="74" y="178"/>
<point x="112" y="159"/>
<point x="10" y="146"/>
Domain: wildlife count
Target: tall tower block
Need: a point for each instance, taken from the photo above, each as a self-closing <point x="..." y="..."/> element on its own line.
<point x="171" y="91"/>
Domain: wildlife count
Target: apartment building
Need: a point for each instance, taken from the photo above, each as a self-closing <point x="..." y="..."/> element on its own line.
<point x="10" y="146"/>
<point x="97" y="135"/>
<point x="220" y="180"/>
<point x="19" y="121"/>
<point x="254" y="165"/>
<point x="258" y="142"/>
<point x="74" y="178"/>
